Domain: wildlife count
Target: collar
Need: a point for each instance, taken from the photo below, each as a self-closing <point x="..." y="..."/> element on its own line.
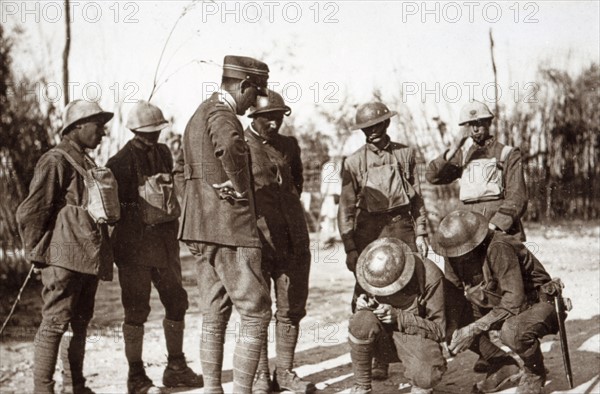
<point x="139" y="143"/>
<point x="256" y="135"/>
<point x="486" y="143"/>
<point x="228" y="99"/>
<point x="375" y="149"/>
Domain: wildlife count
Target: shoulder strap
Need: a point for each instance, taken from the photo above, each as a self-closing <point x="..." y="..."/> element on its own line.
<point x="70" y="159"/>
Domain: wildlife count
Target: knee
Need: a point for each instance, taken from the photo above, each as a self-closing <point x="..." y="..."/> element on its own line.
<point x="137" y="315"/>
<point x="364" y="325"/>
<point x="178" y="305"/>
<point x="515" y="338"/>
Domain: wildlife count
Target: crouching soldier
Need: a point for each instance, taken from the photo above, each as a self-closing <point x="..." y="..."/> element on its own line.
<point x="146" y="248"/>
<point x="511" y="290"/>
<point x="277" y="174"/>
<point x="401" y="318"/>
<point x="68" y="244"/>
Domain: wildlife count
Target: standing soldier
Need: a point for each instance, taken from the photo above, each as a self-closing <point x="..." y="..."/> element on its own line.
<point x="511" y="290"/>
<point x="381" y="195"/>
<point x="491" y="181"/>
<point x="146" y="248"/>
<point x="401" y="316"/>
<point x="277" y="176"/>
<point x="62" y="239"/>
<point x="490" y="173"/>
<point x="219" y="224"/>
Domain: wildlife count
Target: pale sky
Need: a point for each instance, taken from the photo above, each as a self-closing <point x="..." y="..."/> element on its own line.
<point x="319" y="51"/>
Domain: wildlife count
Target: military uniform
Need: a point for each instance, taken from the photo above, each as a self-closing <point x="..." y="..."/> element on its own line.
<point x="414" y="337"/>
<point x="59" y="235"/>
<point x="506" y="287"/>
<point x="222" y="233"/>
<point x="505" y="212"/>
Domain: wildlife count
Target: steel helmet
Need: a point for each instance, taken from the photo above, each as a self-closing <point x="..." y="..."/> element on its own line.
<point x="146" y="118"/>
<point x="274" y="102"/>
<point x="385" y="266"/>
<point x="80" y="110"/>
<point x="474" y="110"/>
<point x="372" y="113"/>
<point x="459" y="233"/>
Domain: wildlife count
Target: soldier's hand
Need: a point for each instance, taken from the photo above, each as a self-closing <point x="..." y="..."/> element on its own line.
<point x="227" y="192"/>
<point x="38" y="266"/>
<point x="386" y="313"/>
<point x="462" y="338"/>
<point x="422" y="245"/>
<point x="365" y="302"/>
<point x="351" y="260"/>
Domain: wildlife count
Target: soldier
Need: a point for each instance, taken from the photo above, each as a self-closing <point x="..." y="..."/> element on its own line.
<point x="381" y="195"/>
<point x="277" y="176"/>
<point x="491" y="177"/>
<point x="400" y="317"/>
<point x="146" y="249"/>
<point x="511" y="290"/>
<point x="490" y="173"/>
<point x="219" y="224"/>
<point x="62" y="240"/>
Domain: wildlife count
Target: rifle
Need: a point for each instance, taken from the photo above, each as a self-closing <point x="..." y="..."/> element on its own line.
<point x="561" y="310"/>
<point x="561" y="306"/>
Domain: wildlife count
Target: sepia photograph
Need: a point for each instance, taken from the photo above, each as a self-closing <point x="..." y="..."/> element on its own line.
<point x="257" y="197"/>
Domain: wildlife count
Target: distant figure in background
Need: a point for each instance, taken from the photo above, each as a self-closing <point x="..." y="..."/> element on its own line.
<point x="490" y="177"/>
<point x="381" y="196"/>
<point x="278" y="181"/>
<point x="146" y="248"/>
<point x="219" y="224"/>
<point x="63" y="240"/>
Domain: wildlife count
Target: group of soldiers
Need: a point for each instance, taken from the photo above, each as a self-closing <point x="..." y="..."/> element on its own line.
<point x="239" y="213"/>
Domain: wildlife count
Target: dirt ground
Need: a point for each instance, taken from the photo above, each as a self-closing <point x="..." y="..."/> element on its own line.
<point x="571" y="252"/>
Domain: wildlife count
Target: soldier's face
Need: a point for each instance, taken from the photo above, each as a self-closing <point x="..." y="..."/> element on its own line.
<point x="480" y="130"/>
<point x="268" y="124"/>
<point x="89" y="134"/>
<point x="376" y="133"/>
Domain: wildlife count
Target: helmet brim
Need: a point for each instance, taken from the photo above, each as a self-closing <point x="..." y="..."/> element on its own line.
<point x="461" y="249"/>
<point x="476" y="119"/>
<point x="401" y="281"/>
<point x="286" y="111"/>
<point x="374" y="121"/>
<point x="103" y="117"/>
<point x="152" y="128"/>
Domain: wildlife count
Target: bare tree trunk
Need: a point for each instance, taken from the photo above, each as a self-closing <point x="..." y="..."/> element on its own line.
<point x="66" y="52"/>
<point x="495" y="85"/>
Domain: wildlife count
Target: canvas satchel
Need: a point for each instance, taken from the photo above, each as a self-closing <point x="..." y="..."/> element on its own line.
<point x="102" y="202"/>
<point x="483" y="179"/>
<point x="157" y="198"/>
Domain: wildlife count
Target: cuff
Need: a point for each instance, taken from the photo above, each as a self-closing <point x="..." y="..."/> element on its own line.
<point x="503" y="221"/>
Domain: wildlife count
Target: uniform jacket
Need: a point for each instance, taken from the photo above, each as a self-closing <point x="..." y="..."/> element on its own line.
<point x="423" y="297"/>
<point x="133" y="241"/>
<point x="214" y="151"/>
<point x="516" y="273"/>
<point x="277" y="178"/>
<point x="54" y="226"/>
<point x="352" y="178"/>
<point x="504" y="213"/>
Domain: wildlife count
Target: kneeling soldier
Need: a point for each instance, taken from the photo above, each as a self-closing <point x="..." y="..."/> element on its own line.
<point x="401" y="318"/>
<point x="511" y="290"/>
<point x="146" y="248"/>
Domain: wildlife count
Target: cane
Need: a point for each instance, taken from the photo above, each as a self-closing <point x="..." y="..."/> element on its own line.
<point x="12" y="310"/>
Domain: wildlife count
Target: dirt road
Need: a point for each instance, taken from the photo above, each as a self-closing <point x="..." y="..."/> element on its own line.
<point x="570" y="253"/>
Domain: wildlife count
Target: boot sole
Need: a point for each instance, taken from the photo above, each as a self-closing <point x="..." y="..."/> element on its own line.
<point x="500" y="386"/>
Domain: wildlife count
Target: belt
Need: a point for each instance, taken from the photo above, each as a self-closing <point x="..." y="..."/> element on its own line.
<point x="198" y="170"/>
